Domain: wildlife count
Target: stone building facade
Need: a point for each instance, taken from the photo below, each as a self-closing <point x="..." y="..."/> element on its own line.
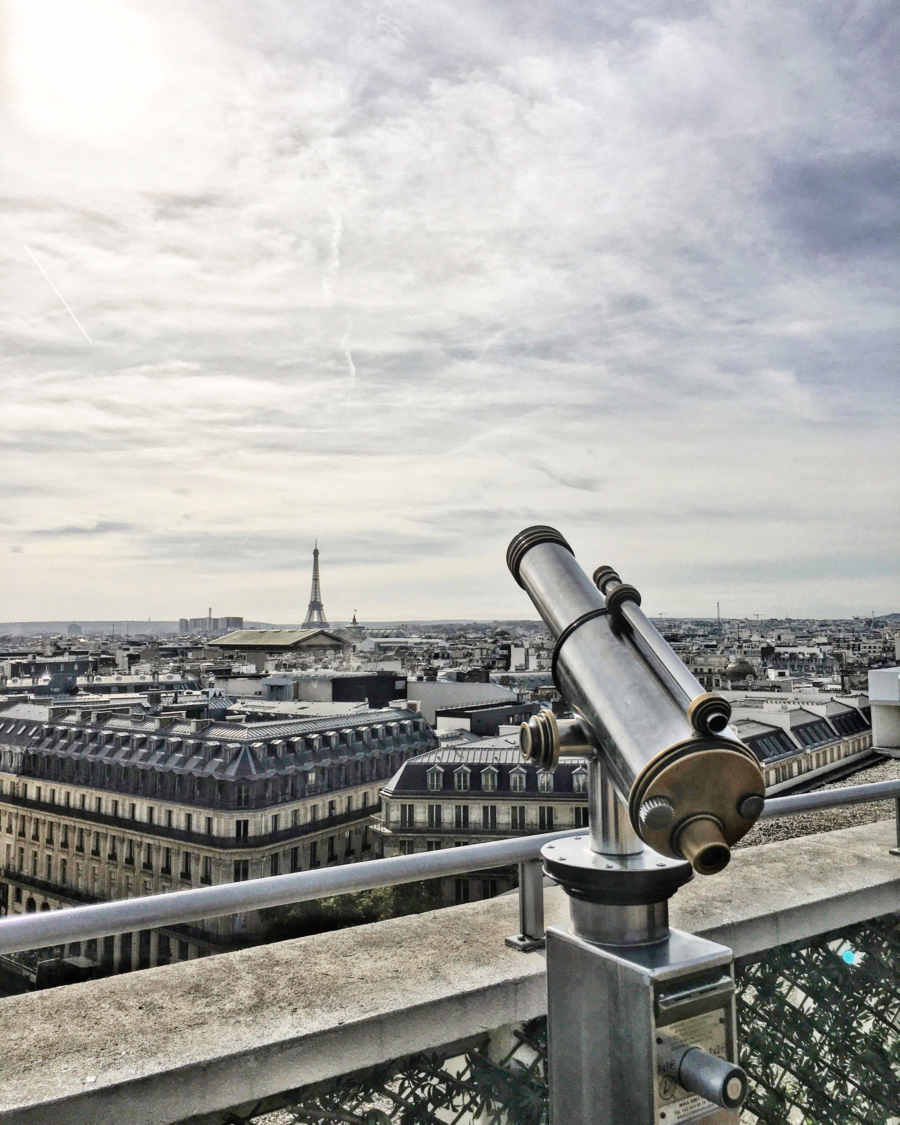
<point x="98" y="806"/>
<point x="469" y="795"/>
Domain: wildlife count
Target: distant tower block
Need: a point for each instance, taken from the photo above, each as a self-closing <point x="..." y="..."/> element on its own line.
<point x="315" y="615"/>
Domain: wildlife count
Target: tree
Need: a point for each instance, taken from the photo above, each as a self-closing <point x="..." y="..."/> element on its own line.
<point x="300" y="919"/>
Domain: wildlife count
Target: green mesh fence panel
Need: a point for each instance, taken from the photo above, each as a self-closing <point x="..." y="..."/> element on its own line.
<point x="820" y="1029"/>
<point x="478" y="1083"/>
<point x="820" y="1040"/>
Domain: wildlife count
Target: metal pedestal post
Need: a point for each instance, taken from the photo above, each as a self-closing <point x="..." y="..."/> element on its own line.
<point x="641" y="1018"/>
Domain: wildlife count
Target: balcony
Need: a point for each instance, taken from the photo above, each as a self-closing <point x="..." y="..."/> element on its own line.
<point x="199" y="839"/>
<point x="335" y="1024"/>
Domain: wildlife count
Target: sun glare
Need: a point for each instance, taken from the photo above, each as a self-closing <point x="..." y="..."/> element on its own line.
<point x="78" y="64"/>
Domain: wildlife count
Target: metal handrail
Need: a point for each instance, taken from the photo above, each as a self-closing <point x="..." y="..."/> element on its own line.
<point x="59" y="927"/>
<point x="80" y="923"/>
<point x="829" y="799"/>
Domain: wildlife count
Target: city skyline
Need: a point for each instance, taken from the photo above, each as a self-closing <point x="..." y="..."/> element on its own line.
<point x="411" y="280"/>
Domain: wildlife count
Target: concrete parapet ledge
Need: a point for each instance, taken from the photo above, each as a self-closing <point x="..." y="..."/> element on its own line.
<point x="194" y="1039"/>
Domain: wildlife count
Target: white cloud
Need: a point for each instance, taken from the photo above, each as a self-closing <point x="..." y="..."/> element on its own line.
<point x="405" y="278"/>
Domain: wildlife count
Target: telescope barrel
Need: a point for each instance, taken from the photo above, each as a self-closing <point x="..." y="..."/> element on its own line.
<point x="683" y="781"/>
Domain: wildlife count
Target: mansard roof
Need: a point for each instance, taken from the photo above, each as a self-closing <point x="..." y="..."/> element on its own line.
<point x="224" y="750"/>
<point x="494" y="754"/>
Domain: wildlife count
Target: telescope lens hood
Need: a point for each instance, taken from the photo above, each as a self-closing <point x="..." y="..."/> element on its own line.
<point x="531" y="537"/>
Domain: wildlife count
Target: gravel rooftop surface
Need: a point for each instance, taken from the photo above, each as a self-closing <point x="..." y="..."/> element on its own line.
<point x="829" y="820"/>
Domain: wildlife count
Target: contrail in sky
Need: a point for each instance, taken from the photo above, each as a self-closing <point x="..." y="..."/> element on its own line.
<point x="351" y="366"/>
<point x="57" y="292"/>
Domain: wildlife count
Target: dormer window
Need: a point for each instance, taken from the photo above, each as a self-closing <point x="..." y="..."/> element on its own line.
<point x="461" y="778"/>
<point x="435" y="779"/>
<point x="517" y="780"/>
<point x="489" y="779"/>
<point x="545" y="781"/>
<point x="580" y="780"/>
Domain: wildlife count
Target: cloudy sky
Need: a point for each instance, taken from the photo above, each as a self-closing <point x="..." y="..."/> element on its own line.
<point x="408" y="277"/>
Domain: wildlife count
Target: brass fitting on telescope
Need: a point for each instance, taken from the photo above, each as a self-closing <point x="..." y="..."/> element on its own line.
<point x="685" y="804"/>
<point x="709" y="713"/>
<point x="702" y="844"/>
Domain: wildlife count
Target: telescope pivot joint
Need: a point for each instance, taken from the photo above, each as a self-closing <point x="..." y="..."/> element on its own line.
<point x="544" y="738"/>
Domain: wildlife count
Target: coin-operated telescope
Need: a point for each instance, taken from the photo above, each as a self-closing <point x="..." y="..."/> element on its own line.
<point x="641" y="1017"/>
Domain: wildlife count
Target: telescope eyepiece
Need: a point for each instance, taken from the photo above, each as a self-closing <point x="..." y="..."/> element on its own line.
<point x="702" y="844"/>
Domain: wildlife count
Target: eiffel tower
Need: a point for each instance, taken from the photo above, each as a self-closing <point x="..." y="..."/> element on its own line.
<point x="315" y="615"/>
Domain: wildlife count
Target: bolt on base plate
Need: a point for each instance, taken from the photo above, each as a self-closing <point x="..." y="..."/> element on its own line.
<point x="525" y="944"/>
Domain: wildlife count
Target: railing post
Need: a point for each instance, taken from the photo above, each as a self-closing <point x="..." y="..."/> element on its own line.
<point x="896" y="850"/>
<point x="531" y="908"/>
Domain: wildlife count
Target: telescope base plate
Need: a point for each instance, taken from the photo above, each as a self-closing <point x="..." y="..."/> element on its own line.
<point x="615" y="880"/>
